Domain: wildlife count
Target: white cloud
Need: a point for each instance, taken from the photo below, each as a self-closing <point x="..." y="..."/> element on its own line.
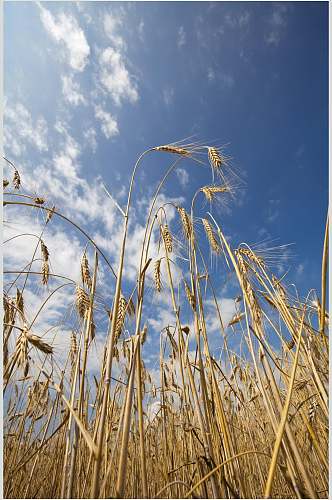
<point x="183" y="176"/>
<point x="70" y="147"/>
<point x="58" y="316"/>
<point x="141" y="30"/>
<point x="273" y="215"/>
<point x="278" y="17"/>
<point x="163" y="317"/>
<point x="65" y="249"/>
<point x="71" y="91"/>
<point x="115" y="77"/>
<point x="21" y="130"/>
<point x="239" y="20"/>
<point x="181" y="37"/>
<point x="65" y="30"/>
<point x="300" y="269"/>
<point x="230" y="20"/>
<point x="244" y="19"/>
<point x="61" y="181"/>
<point x="90" y="136"/>
<point x="111" y="24"/>
<point x="109" y="125"/>
<point x="168" y="95"/>
<point x="211" y="74"/>
<point x="277" y="24"/>
<point x="227" y="80"/>
<point x="136" y="235"/>
<point x="300" y="151"/>
<point x="273" y="38"/>
<point x="273" y="210"/>
<point x="227" y="309"/>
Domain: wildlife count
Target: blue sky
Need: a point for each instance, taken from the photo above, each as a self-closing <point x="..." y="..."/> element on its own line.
<point x="90" y="85"/>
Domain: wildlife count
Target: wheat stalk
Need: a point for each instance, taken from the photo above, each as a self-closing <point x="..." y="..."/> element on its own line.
<point x="131" y="307"/>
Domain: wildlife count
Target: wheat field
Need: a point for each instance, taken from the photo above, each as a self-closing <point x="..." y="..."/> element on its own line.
<point x="246" y="420"/>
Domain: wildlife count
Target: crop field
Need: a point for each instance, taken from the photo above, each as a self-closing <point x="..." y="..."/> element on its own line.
<point x="239" y="410"/>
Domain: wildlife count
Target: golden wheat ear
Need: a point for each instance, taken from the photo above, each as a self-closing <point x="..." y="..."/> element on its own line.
<point x="120" y="317"/>
<point x="211" y="192"/>
<point x="169" y="148"/>
<point x="45" y="271"/>
<point x="211" y="236"/>
<point x="157" y="275"/>
<point x="16" y="180"/>
<point x="39" y="343"/>
<point x="167" y="238"/>
<point x="82" y="301"/>
<point x="215" y="158"/>
<point x="186" y="223"/>
<point x="50" y="214"/>
<point x="85" y="272"/>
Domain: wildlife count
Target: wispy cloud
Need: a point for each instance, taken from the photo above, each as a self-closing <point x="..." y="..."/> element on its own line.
<point x="226" y="80"/>
<point x="109" y="124"/>
<point x="181" y="41"/>
<point x="21" y="130"/>
<point x="90" y="135"/>
<point x="244" y="19"/>
<point x="71" y="91"/>
<point x="300" y="151"/>
<point x="168" y="95"/>
<point x="112" y="23"/>
<point x="211" y="75"/>
<point x="141" y="30"/>
<point x="299" y="269"/>
<point x="183" y="176"/>
<point x="277" y="23"/>
<point x="65" y="30"/>
<point x="273" y="210"/>
<point x="239" y="19"/>
<point x="59" y="179"/>
<point x="115" y="77"/>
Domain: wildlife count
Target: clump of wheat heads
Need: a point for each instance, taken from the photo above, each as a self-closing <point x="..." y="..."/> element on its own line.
<point x="207" y="422"/>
